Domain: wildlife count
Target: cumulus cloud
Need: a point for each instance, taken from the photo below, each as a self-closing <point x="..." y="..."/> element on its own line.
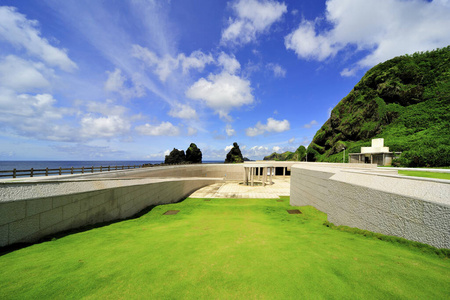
<point x="183" y="111"/>
<point x="229" y="63"/>
<point x="278" y="71"/>
<point x="291" y="140"/>
<point x="22" y="75"/>
<point x="383" y="28"/>
<point x="256" y="152"/>
<point x="103" y="126"/>
<point x="36" y="116"/>
<point x="222" y="92"/>
<point x="276" y="148"/>
<point x="310" y="124"/>
<point x="229" y="130"/>
<point x="16" y="29"/>
<point x="272" y="125"/>
<point x="164" y="66"/>
<point x="163" y="129"/>
<point x="117" y="82"/>
<point x="252" y="18"/>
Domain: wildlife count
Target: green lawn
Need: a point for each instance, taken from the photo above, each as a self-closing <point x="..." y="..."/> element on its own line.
<point x="425" y="174"/>
<point x="222" y="249"/>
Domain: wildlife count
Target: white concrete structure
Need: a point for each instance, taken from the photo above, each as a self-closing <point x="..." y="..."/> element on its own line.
<point x="36" y="207"/>
<point x="376" y="199"/>
<point x="251" y="170"/>
<point x="356" y="195"/>
<point x="376" y="154"/>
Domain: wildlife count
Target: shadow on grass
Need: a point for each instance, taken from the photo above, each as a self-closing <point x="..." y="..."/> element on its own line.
<point x="11" y="248"/>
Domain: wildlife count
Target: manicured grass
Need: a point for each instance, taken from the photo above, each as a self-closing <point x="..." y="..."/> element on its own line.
<point x="425" y="174"/>
<point x="223" y="249"/>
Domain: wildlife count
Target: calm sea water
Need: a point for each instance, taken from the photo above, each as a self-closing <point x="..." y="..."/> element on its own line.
<point x="26" y="165"/>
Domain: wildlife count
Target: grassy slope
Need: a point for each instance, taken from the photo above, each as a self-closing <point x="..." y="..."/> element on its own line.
<point x="226" y="248"/>
<point x="406" y="101"/>
<point x="425" y="174"/>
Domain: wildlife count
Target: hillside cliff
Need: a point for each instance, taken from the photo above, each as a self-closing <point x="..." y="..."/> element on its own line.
<point x="406" y="101"/>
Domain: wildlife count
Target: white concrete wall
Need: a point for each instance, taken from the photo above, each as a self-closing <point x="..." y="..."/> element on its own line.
<point x="36" y="207"/>
<point x="373" y="199"/>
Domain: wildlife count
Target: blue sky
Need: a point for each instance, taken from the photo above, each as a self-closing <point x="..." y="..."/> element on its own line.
<point x="131" y="80"/>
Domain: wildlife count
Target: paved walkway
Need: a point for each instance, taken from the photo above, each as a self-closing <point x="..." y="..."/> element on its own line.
<point x="280" y="187"/>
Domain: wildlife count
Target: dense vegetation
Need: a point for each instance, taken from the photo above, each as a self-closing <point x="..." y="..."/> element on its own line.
<point x="226" y="249"/>
<point x="406" y="101"/>
<point x="193" y="156"/>
<point x="298" y="155"/>
<point x="235" y="155"/>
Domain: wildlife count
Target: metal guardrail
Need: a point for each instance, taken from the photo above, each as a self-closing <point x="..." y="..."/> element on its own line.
<point x="63" y="171"/>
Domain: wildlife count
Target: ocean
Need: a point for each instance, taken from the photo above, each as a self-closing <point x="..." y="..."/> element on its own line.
<point x="27" y="165"/>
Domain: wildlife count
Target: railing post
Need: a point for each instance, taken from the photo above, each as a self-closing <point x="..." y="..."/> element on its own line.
<point x="101" y="169"/>
<point x="60" y="171"/>
<point x="31" y="172"/>
<point x="71" y="170"/>
<point x="14" y="173"/>
<point x="92" y="169"/>
<point x="46" y="171"/>
<point x="109" y="168"/>
<point x="82" y="170"/>
<point x="116" y="168"/>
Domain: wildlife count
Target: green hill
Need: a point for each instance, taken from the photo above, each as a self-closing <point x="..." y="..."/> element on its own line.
<point x="406" y="101"/>
<point x="298" y="155"/>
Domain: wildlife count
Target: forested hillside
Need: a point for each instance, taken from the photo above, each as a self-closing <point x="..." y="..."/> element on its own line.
<point x="406" y="101"/>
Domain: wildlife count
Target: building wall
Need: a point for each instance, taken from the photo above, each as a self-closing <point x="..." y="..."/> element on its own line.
<point x="413" y="208"/>
<point x="36" y="207"/>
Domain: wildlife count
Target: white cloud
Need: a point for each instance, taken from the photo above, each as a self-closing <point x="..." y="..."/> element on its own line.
<point x="310" y="124"/>
<point x="272" y="125"/>
<point x="228" y="148"/>
<point x="292" y="140"/>
<point x="276" y="148"/>
<point x="278" y="71"/>
<point x="197" y="60"/>
<point x="383" y="28"/>
<point x="222" y="92"/>
<point x="164" y="66"/>
<point x="229" y="63"/>
<point x="192" y="131"/>
<point x="307" y="44"/>
<point x="256" y="152"/>
<point x="23" y="76"/>
<point x="164" y="129"/>
<point x="16" y="29"/>
<point x="116" y="82"/>
<point x="229" y="130"/>
<point x="252" y="18"/>
<point x="104" y="126"/>
<point x="36" y="116"/>
<point x="348" y="72"/>
<point x="183" y="111"/>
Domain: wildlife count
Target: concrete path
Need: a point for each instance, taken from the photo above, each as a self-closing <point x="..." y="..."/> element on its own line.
<point x="280" y="187"/>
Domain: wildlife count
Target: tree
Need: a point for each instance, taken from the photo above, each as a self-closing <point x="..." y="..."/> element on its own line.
<point x="235" y="155"/>
<point x="300" y="153"/>
<point x="175" y="157"/>
<point x="193" y="154"/>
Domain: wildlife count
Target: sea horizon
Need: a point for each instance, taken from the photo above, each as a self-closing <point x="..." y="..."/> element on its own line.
<point x="6" y="165"/>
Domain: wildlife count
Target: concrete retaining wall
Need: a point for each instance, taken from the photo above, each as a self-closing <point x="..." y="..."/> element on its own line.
<point x="372" y="199"/>
<point x="36" y="207"/>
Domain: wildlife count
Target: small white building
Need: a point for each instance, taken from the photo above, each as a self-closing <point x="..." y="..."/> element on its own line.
<point x="376" y="154"/>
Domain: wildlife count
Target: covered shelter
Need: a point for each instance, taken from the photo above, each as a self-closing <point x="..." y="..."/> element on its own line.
<point x="376" y="154"/>
<point x="253" y="170"/>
